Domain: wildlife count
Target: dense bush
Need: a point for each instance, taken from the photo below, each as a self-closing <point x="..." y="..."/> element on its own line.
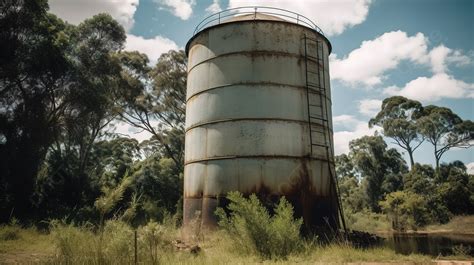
<point x="406" y="210"/>
<point x="253" y="229"/>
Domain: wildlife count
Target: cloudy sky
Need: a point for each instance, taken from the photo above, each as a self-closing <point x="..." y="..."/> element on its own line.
<point x="421" y="49"/>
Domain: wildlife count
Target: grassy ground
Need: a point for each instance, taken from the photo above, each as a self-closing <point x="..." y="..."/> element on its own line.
<point x="68" y="244"/>
<point x="457" y="225"/>
<point x="24" y="246"/>
<point x="79" y="245"/>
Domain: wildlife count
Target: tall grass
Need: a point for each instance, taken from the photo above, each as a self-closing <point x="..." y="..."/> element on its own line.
<point x="75" y="244"/>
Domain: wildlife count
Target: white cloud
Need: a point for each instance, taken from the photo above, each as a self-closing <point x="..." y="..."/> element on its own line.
<point x="368" y="64"/>
<point x="214" y="7"/>
<point x="125" y="129"/>
<point x="333" y="17"/>
<point x="347" y="121"/>
<point x="75" y="11"/>
<point x="438" y="57"/>
<point x="370" y="107"/>
<point x="180" y="8"/>
<point x="153" y="48"/>
<point x="373" y="58"/>
<point x="342" y="138"/>
<point x="470" y="168"/>
<point x="441" y="56"/>
<point x="433" y="88"/>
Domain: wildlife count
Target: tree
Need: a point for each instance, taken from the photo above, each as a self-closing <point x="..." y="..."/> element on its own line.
<point x="421" y="181"/>
<point x="159" y="108"/>
<point x="352" y="192"/>
<point x="381" y="168"/>
<point x="398" y="120"/>
<point x="33" y="69"/>
<point x="457" y="190"/>
<point x="406" y="209"/>
<point x="445" y="130"/>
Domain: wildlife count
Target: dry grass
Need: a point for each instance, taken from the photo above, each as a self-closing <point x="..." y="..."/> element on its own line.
<point x="457" y="225"/>
<point x="79" y="245"/>
<point x="24" y="246"/>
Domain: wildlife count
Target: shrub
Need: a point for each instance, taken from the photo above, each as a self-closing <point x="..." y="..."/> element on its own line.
<point x="11" y="231"/>
<point x="253" y="229"/>
<point x="406" y="209"/>
<point x="80" y="245"/>
<point x="151" y="237"/>
<point x="73" y="244"/>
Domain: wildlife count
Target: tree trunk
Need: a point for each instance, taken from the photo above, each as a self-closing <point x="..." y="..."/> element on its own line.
<point x="412" y="161"/>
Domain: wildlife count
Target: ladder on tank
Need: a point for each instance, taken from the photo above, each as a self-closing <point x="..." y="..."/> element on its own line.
<point x="318" y="115"/>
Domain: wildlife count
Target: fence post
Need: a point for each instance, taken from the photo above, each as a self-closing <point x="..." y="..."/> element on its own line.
<point x="136" y="252"/>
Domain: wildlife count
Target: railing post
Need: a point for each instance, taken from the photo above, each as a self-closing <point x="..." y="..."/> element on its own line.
<point x="255" y="14"/>
<point x="219" y="18"/>
<point x="297" y="18"/>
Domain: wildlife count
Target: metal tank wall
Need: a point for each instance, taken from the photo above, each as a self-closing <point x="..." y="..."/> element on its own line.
<point x="247" y="121"/>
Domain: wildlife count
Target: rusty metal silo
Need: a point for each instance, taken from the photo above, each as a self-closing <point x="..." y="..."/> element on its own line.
<point x="258" y="114"/>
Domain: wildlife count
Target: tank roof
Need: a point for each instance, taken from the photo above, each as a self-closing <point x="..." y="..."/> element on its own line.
<point x="252" y="13"/>
<point x="254" y="16"/>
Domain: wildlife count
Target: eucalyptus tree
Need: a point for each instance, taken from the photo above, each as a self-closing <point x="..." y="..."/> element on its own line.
<point x="159" y="108"/>
<point x="380" y="167"/>
<point x="34" y="67"/>
<point x="445" y="130"/>
<point x="397" y="118"/>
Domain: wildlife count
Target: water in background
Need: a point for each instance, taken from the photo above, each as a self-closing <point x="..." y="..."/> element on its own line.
<point x="431" y="244"/>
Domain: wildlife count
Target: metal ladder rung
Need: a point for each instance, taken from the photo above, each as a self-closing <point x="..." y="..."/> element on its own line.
<point x="314" y="58"/>
<point x="322" y="145"/>
<point x="314" y="73"/>
<point x="317" y="131"/>
<point x="316" y="92"/>
<point x="312" y="105"/>
<point x="318" y="118"/>
<point x="314" y="84"/>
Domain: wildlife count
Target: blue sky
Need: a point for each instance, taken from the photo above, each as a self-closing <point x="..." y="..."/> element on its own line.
<point x="422" y="49"/>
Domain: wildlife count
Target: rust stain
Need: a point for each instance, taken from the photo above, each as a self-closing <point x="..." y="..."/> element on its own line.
<point x="318" y="211"/>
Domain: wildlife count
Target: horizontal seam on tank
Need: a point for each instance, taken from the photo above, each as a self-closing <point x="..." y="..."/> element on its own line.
<point x="251" y="119"/>
<point x="257" y="156"/>
<point x="260" y="52"/>
<point x="267" y="84"/>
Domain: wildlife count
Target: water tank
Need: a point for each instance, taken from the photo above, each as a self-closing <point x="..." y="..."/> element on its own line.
<point x="258" y="116"/>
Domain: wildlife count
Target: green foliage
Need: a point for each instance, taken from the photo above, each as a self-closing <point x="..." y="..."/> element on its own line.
<point x="444" y="130"/>
<point x="366" y="220"/>
<point x="254" y="230"/>
<point x="406" y="210"/>
<point x="457" y="189"/>
<point x="155" y="237"/>
<point x="397" y="118"/>
<point x="163" y="102"/>
<point x="380" y="167"/>
<point x="80" y="245"/>
<point x="110" y="197"/>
